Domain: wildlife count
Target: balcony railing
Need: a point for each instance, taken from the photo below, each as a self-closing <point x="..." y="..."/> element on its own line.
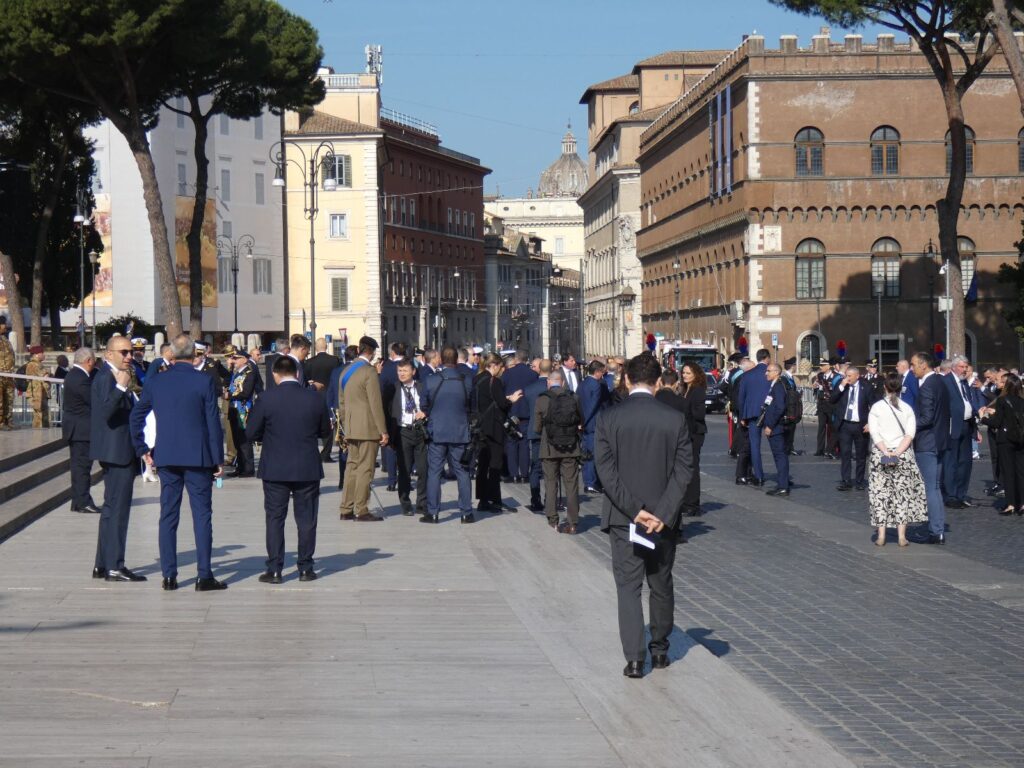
<point x="408" y="121"/>
<point x="341" y="81"/>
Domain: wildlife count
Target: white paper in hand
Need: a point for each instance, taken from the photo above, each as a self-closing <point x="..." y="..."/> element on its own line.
<point x="636" y="538"/>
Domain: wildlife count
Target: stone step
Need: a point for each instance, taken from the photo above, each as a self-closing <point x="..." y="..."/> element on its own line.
<point x="23" y="446"/>
<point x="31" y="474"/>
<point x="27" y="507"/>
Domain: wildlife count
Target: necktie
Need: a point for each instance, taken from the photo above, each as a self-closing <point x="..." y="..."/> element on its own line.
<point x="851" y="409"/>
<point x="963" y="388"/>
<point x="410" y="404"/>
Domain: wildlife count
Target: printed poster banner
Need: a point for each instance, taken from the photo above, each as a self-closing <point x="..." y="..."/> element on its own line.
<point x="103" y="280"/>
<point x="208" y="250"/>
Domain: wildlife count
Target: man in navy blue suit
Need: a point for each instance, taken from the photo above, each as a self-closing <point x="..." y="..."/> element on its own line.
<point x="775" y="428"/>
<point x="957" y="461"/>
<point x="388" y="382"/>
<point x="931" y="411"/>
<point x="753" y="392"/>
<point x="289" y="419"/>
<point x="908" y="392"/>
<point x="110" y="444"/>
<point x="447" y="409"/>
<point x="76" y="428"/>
<point x="594" y="398"/>
<point x="189" y="453"/>
<point x="519" y="375"/>
<point x="851" y="402"/>
<point x="530" y="395"/>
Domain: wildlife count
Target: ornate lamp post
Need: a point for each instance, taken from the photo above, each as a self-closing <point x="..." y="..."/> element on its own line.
<point x="319" y="157"/>
<point x="226" y="244"/>
<point x="626" y="298"/>
<point x="80" y="220"/>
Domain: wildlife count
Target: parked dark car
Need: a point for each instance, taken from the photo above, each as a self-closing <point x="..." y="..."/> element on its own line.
<point x="715" y="400"/>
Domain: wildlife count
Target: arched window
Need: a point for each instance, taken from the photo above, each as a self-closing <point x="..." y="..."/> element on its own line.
<point x="810" y="270"/>
<point x="810" y="152"/>
<point x="970" y="151"/>
<point x="885" y="268"/>
<point x="1020" y="151"/>
<point x="967" y="261"/>
<point x="885" y="151"/>
<point x="811" y="347"/>
<point x="634" y="107"/>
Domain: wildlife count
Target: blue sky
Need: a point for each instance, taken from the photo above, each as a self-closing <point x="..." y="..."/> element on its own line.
<point x="500" y="80"/>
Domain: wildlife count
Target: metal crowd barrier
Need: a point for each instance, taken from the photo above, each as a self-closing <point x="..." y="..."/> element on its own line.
<point x="21" y="411"/>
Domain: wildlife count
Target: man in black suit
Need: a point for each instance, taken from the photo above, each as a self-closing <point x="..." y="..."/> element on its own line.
<point x="645" y="461"/>
<point x="298" y="351"/>
<point x="319" y="369"/>
<point x="388" y="381"/>
<point x="405" y="410"/>
<point x="75" y="428"/>
<point x="289" y="419"/>
<point x="110" y="443"/>
<point x="851" y="402"/>
<point x="280" y="348"/>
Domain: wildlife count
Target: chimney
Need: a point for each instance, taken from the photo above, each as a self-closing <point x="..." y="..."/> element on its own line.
<point x="854" y="43"/>
<point x="886" y="43"/>
<point x="787" y="43"/>
<point x="820" y="43"/>
<point x="755" y="45"/>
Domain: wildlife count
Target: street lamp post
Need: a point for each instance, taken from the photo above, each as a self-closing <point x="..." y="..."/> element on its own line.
<point x="93" y="260"/>
<point x="80" y="221"/>
<point x="676" y="265"/>
<point x="626" y="298"/>
<point x="319" y="156"/>
<point x="931" y="295"/>
<point x="225" y="243"/>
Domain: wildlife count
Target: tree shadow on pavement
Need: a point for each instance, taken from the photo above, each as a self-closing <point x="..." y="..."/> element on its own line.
<point x="703" y="636"/>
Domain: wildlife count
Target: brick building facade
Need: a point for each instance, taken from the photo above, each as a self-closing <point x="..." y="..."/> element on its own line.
<point x="790" y="195"/>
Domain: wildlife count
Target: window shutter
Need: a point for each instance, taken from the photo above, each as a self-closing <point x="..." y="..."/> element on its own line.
<point x="339" y="294"/>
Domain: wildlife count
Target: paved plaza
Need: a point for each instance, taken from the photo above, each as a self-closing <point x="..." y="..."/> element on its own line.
<point x="797" y="642"/>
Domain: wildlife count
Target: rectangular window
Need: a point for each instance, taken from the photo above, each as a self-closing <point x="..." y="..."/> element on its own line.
<point x="810" y="278"/>
<point x="810" y="160"/>
<point x="339" y="226"/>
<point x="966" y="271"/>
<point x="261" y="276"/>
<point x="885" y="276"/>
<point x="224" y="284"/>
<point x="226" y="229"/>
<point x="339" y="168"/>
<point x="260" y="188"/>
<point x="450" y="219"/>
<point x="559" y="246"/>
<point x="182" y="180"/>
<point x="225" y="184"/>
<point x="401" y="207"/>
<point x="458" y="222"/>
<point x="257" y="128"/>
<point x="885" y="160"/>
<point x="472" y="225"/>
<point x="412" y="213"/>
<point x="225" y="125"/>
<point x="179" y="119"/>
<point x="339" y="294"/>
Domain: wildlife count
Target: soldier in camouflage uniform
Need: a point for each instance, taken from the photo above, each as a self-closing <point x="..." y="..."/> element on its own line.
<point x="38" y="391"/>
<point x="6" y="384"/>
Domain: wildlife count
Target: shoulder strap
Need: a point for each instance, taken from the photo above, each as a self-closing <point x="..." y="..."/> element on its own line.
<point x="896" y="416"/>
<point x="351" y="369"/>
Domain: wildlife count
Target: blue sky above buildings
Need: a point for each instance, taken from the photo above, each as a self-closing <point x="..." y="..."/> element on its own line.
<point x="500" y="80"/>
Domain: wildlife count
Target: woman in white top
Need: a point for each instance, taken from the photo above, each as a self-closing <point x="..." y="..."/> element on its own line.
<point x="895" y="487"/>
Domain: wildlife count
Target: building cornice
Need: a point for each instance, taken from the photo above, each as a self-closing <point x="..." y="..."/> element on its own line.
<point x="727" y="222"/>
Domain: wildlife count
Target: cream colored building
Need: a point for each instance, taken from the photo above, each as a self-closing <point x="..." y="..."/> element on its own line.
<point x="553" y="214"/>
<point x="619" y="110"/>
<point x="346" y="230"/>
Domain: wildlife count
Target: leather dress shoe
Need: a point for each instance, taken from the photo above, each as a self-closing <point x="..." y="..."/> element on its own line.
<point x="271" y="577"/>
<point x="755" y="482"/>
<point x="116" y="576"/>
<point x="742" y="481"/>
<point x="89" y="509"/>
<point x="99" y="573"/>
<point x="468" y="518"/>
<point x="590" y="490"/>
<point x="407" y="511"/>
<point x="783" y="492"/>
<point x="131" y="576"/>
<point x="936" y="539"/>
<point x="170" y="583"/>
<point x="830" y="455"/>
<point x="347" y="515"/>
<point x="369" y="517"/>
<point x="428" y="518"/>
<point x="659" y="660"/>
<point x="486" y="506"/>
<point x="567" y="528"/>
<point x="307" y="575"/>
<point x="634" y="669"/>
<point x="955" y="504"/>
<point x="860" y="487"/>
<point x="210" y="585"/>
<point x="843" y="487"/>
<point x="392" y="487"/>
<point x="536" y="506"/>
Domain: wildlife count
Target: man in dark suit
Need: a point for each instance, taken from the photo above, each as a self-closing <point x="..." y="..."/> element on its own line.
<point x="931" y="411"/>
<point x="110" y="443"/>
<point x="430" y="365"/>
<point x="447" y="409"/>
<point x="753" y="390"/>
<point x="851" y="402"/>
<point x="571" y="373"/>
<point x="530" y="395"/>
<point x="161" y="363"/>
<point x="298" y="351"/>
<point x="288" y="420"/>
<point x="75" y="427"/>
<point x="405" y="412"/>
<point x="957" y="462"/>
<point x="189" y="453"/>
<point x="645" y="460"/>
<point x="775" y="428"/>
<point x="319" y="368"/>
<point x="594" y="398"/>
<point x="388" y="382"/>
<point x="351" y="353"/>
<point x="280" y="348"/>
<point x="464" y="368"/>
<point x="518" y="376"/>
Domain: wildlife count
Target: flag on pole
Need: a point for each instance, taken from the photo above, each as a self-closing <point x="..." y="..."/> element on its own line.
<point x="972" y="290"/>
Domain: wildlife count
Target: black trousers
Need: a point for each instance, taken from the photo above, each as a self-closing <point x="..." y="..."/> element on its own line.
<point x="630" y="564"/>
<point x="852" y="438"/>
<point x="81" y="474"/>
<point x="790" y="436"/>
<point x="824" y="421"/>
<point x="118" y="480"/>
<point x="691" y="498"/>
<point x="993" y="450"/>
<point x="306" y="501"/>
<point x="489" y="463"/>
<point x="245" y="463"/>
<point x="412" y="453"/>
<point x="741" y="442"/>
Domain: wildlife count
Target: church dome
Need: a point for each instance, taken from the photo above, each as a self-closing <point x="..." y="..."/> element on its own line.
<point x="567" y="176"/>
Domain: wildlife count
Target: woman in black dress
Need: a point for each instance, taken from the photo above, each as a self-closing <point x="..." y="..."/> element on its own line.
<point x="493" y="407"/>
<point x="1002" y="417"/>
<point x="695" y="388"/>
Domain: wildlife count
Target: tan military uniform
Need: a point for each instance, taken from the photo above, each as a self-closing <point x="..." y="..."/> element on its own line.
<point x="39" y="394"/>
<point x="6" y="384"/>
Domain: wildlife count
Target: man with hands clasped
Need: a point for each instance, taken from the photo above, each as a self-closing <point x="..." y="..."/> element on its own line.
<point x="645" y="462"/>
<point x="851" y="401"/>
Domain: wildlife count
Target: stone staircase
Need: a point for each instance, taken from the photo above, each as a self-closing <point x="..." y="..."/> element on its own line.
<point x="34" y="477"/>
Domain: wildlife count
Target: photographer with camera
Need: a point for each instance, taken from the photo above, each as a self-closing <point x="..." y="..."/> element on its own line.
<point x="409" y="436"/>
<point x="447" y="408"/>
<point x="495" y="423"/>
<point x="558" y="418"/>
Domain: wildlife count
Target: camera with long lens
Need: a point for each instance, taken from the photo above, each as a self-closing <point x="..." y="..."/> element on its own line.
<point x="511" y="427"/>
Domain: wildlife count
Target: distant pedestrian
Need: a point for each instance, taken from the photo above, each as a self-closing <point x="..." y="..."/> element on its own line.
<point x="361" y="414"/>
<point x="754" y="388"/>
<point x="694" y="388"/>
<point x="851" y="402"/>
<point x="38" y="391"/>
<point x="557" y="418"/>
<point x="76" y="428"/>
<point x="530" y="395"/>
<point x="896" y="489"/>
<point x="1005" y="419"/>
<point x="773" y="421"/>
<point x="594" y="397"/>
<point x="931" y="413"/>
<point x="448" y="407"/>
<point x="493" y="406"/>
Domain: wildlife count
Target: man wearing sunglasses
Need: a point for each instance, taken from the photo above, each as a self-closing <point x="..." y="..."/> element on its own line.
<point x="111" y="445"/>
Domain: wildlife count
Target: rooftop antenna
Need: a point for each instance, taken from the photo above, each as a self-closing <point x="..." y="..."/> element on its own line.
<point x="375" y="61"/>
